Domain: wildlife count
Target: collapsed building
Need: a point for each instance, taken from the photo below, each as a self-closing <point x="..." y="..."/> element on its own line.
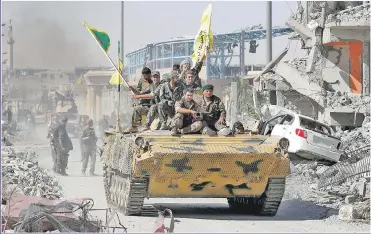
<point x="332" y="83"/>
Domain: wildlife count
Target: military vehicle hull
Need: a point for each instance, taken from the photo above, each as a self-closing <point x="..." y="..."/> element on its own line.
<point x="248" y="170"/>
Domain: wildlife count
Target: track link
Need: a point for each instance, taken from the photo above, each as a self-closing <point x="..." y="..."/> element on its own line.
<point x="125" y="195"/>
<point x="265" y="205"/>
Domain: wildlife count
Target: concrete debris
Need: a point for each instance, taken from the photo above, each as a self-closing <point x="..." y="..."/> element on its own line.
<point x="357" y="139"/>
<point x="357" y="14"/>
<point x="269" y="76"/>
<point x="300" y="64"/>
<point x="21" y="174"/>
<point x="356" y="211"/>
<point x="303" y="185"/>
<point x="341" y="99"/>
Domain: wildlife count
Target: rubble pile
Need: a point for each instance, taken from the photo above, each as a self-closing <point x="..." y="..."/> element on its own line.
<point x="351" y="14"/>
<point x="349" y="197"/>
<point x="21" y="174"/>
<point x="300" y="64"/>
<point x="340" y="99"/>
<point x="356" y="139"/>
<point x="16" y="137"/>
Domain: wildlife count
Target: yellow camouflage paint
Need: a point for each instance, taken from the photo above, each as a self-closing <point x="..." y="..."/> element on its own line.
<point x="203" y="166"/>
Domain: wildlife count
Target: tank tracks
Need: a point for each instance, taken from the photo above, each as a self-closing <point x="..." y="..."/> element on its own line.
<point x="126" y="195"/>
<point x="265" y="205"/>
<point x="131" y="203"/>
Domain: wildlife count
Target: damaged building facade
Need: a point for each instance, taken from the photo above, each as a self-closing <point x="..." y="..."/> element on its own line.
<point x="332" y="83"/>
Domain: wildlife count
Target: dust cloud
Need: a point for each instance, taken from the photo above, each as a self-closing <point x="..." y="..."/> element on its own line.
<point x="42" y="41"/>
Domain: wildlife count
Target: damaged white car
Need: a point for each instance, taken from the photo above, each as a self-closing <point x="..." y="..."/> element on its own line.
<point x="307" y="137"/>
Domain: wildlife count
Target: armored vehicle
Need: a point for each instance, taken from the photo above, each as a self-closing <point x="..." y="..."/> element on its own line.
<point x="248" y="170"/>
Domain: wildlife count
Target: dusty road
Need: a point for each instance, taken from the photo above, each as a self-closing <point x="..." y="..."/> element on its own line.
<point x="195" y="215"/>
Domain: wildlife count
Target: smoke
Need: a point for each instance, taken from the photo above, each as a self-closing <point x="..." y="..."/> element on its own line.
<point x="41" y="41"/>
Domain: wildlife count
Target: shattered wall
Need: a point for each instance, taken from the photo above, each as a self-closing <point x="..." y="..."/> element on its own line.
<point x="342" y="67"/>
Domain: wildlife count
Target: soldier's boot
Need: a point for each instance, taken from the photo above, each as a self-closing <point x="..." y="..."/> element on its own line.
<point x="158" y="125"/>
<point x="92" y="174"/>
<point x="186" y="130"/>
<point x="63" y="172"/>
<point x="131" y="129"/>
<point x="174" y="131"/>
<point x="164" y="126"/>
<point x="146" y="127"/>
<point x="208" y="131"/>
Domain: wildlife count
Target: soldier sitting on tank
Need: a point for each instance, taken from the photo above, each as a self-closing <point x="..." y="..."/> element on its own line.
<point x="190" y="81"/>
<point x="169" y="93"/>
<point x="89" y="140"/>
<point x="213" y="112"/>
<point x="144" y="105"/>
<point x="153" y="110"/>
<point x="186" y="119"/>
<point x="185" y="66"/>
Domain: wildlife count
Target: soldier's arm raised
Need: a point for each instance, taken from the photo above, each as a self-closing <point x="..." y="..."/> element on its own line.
<point x="198" y="67"/>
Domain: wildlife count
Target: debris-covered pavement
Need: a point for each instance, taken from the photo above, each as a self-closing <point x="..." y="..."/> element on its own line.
<point x="22" y="174"/>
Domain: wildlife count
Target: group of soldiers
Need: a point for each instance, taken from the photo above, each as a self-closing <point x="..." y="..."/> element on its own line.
<point x="172" y="101"/>
<point x="61" y="145"/>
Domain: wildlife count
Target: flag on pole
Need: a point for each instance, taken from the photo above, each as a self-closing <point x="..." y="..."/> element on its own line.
<point x="79" y="80"/>
<point x="116" y="78"/>
<point x="204" y="39"/>
<point x="101" y="37"/>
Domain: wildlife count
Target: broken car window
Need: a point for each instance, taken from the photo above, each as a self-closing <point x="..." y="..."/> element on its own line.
<point x="314" y="126"/>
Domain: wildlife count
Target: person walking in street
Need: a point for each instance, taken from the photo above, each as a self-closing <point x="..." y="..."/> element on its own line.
<point x="89" y="140"/>
<point x="63" y="145"/>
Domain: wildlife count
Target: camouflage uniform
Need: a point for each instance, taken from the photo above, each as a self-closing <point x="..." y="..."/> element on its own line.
<point x="52" y="129"/>
<point x="153" y="110"/>
<point x="211" y="112"/>
<point x="63" y="145"/>
<point x="143" y="106"/>
<point x="168" y="97"/>
<point x="89" y="140"/>
<point x="103" y="125"/>
<point x="196" y="71"/>
<point x="186" y="122"/>
<point x="80" y="129"/>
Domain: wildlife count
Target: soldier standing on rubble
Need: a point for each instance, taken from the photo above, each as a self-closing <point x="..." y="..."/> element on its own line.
<point x="63" y="145"/>
<point x="144" y="104"/>
<point x="213" y="112"/>
<point x="185" y="66"/>
<point x="89" y="140"/>
<point x="186" y="120"/>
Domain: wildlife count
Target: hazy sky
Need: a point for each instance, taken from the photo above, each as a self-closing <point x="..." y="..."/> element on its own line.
<point x="51" y="34"/>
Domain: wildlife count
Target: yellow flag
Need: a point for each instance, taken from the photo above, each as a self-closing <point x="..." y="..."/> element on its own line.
<point x="79" y="80"/>
<point x="116" y="78"/>
<point x="204" y="40"/>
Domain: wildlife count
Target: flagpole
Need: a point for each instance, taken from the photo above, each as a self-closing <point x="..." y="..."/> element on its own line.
<point x="112" y="63"/>
<point x="118" y="126"/>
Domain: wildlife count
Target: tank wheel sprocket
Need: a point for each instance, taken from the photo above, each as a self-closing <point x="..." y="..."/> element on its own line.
<point x="124" y="194"/>
<point x="265" y="205"/>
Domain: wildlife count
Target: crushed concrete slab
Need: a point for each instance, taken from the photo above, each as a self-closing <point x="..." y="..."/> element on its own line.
<point x="351" y="14"/>
<point x="21" y="174"/>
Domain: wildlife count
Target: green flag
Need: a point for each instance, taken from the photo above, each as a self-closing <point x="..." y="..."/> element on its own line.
<point x="101" y="36"/>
